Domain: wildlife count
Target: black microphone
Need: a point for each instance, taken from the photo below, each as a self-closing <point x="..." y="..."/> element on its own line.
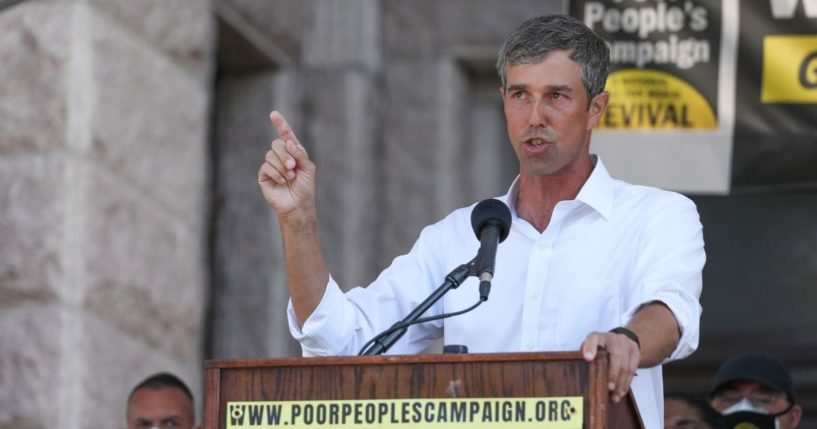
<point x="491" y="220"/>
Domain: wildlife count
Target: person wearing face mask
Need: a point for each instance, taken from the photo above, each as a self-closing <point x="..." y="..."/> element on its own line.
<point x="755" y="391"/>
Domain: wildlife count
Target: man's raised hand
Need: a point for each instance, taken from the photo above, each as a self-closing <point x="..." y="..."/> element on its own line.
<point x="287" y="176"/>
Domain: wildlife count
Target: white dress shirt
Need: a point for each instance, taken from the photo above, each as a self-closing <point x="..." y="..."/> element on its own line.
<point x="603" y="255"/>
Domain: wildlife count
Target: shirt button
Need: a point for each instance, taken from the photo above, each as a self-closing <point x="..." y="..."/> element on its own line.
<point x="534" y="295"/>
<point x="542" y="245"/>
<point x="529" y="346"/>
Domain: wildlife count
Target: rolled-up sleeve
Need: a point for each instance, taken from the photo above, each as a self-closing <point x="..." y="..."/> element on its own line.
<point x="323" y="332"/>
<point x="670" y="268"/>
<point x="344" y="321"/>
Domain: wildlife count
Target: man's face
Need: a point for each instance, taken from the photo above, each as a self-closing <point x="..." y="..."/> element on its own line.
<point x="549" y="118"/>
<point x="164" y="408"/>
<point x="760" y="396"/>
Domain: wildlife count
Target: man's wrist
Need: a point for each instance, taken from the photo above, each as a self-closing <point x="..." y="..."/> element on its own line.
<point x="299" y="218"/>
<point x="627" y="333"/>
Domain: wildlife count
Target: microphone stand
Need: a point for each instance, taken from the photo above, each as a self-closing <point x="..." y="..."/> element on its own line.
<point x="452" y="281"/>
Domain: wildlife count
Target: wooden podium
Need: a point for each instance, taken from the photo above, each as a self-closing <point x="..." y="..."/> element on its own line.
<point x="442" y="376"/>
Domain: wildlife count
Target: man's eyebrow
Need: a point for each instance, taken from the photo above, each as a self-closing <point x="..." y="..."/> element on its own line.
<point x="560" y="88"/>
<point x="517" y="86"/>
<point x="555" y="87"/>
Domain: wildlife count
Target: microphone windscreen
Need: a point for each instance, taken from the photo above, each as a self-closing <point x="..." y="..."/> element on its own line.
<point x="491" y="211"/>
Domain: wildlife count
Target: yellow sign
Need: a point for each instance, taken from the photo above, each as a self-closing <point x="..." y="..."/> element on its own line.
<point x="474" y="413"/>
<point x="789" y="69"/>
<point x="651" y="99"/>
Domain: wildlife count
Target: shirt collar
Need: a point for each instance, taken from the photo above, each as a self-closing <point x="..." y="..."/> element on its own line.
<point x="597" y="191"/>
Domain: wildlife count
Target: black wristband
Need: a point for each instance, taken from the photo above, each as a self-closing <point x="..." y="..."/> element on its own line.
<point x="628" y="333"/>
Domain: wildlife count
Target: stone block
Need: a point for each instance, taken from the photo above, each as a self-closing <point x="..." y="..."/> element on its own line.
<point x="342" y="141"/>
<point x="345" y="33"/>
<point x="64" y="368"/>
<point x="491" y="163"/>
<point x="33" y="90"/>
<point x="248" y="270"/>
<point x="144" y="265"/>
<point x="410" y="29"/>
<point x="424" y="28"/>
<point x="149" y="121"/>
<point x="30" y="366"/>
<point x="31" y="227"/>
<point x="487" y="22"/>
<point x="113" y="362"/>
<point x="180" y="29"/>
<point x="412" y="144"/>
<point x="282" y="22"/>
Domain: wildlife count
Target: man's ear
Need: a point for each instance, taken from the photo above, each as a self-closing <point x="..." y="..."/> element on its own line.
<point x="597" y="107"/>
<point x="796" y="414"/>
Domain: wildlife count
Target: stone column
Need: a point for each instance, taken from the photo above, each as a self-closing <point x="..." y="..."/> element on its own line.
<point x="103" y="137"/>
<point x="342" y="66"/>
<point x="257" y="48"/>
<point x="249" y="297"/>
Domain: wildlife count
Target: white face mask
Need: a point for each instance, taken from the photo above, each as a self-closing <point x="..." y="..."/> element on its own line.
<point x="743" y="405"/>
<point x="744" y="411"/>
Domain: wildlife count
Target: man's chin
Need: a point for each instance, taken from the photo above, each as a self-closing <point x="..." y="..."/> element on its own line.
<point x="539" y="170"/>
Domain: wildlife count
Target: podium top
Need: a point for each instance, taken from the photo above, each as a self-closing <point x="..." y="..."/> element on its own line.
<point x="394" y="359"/>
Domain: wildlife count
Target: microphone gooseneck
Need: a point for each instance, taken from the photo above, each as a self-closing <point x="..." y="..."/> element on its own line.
<point x="491" y="220"/>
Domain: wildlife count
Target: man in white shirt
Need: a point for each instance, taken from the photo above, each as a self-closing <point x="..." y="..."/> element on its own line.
<point x="586" y="254"/>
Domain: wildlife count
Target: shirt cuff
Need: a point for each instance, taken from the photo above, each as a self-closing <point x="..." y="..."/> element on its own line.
<point x="319" y="335"/>
<point x="687" y="312"/>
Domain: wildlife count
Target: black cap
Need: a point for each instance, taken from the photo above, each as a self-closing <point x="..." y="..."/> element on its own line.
<point x="763" y="369"/>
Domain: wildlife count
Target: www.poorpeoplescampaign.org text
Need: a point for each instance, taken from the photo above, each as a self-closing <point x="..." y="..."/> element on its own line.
<point x="551" y="413"/>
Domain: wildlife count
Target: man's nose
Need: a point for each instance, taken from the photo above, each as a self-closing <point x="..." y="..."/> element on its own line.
<point x="537" y="117"/>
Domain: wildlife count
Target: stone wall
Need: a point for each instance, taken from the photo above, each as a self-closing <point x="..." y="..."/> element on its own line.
<point x="103" y="204"/>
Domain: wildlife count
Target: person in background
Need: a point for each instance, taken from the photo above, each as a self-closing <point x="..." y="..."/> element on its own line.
<point x="687" y="411"/>
<point x="753" y="389"/>
<point x="161" y="401"/>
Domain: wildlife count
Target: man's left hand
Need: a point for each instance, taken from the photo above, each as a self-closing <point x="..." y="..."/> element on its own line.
<point x="624" y="359"/>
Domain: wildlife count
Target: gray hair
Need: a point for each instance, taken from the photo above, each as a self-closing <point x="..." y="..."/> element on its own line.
<point x="538" y="37"/>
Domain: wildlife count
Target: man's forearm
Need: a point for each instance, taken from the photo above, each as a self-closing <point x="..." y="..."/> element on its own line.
<point x="657" y="331"/>
<point x="307" y="273"/>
